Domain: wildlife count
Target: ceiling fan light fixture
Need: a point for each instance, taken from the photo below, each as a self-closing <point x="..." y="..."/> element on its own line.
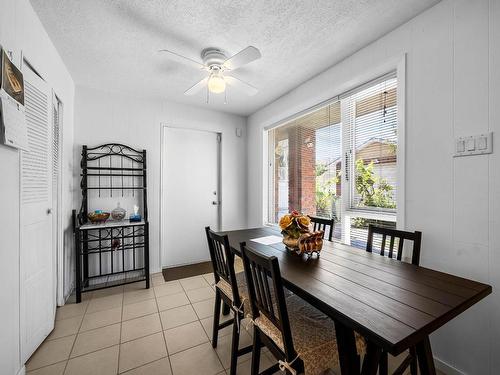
<point x="216" y="64"/>
<point x="216" y="84"/>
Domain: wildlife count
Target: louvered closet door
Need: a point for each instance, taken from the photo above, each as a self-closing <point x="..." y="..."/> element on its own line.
<point x="37" y="307"/>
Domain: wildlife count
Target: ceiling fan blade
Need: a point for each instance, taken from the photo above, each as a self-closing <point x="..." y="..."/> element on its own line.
<point x="243" y="57"/>
<point x="241" y="85"/>
<point x="182" y="59"/>
<point x="196" y="87"/>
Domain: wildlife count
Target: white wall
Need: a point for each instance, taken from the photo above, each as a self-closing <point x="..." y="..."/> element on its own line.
<point x="102" y="117"/>
<point x="20" y="29"/>
<point x="452" y="89"/>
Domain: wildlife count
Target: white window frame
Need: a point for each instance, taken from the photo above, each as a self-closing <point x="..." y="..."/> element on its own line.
<point x="397" y="64"/>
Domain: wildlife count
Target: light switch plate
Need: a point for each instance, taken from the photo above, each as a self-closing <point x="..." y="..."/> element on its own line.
<point x="474" y="145"/>
<point x="470" y="144"/>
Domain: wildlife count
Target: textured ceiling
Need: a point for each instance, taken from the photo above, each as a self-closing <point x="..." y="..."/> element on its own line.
<point x="113" y="44"/>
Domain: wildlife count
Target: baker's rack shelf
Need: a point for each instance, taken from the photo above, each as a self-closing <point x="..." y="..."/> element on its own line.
<point x="115" y="252"/>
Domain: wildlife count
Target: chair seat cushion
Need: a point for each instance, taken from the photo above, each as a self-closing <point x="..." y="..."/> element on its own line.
<point x="226" y="288"/>
<point x="313" y="335"/>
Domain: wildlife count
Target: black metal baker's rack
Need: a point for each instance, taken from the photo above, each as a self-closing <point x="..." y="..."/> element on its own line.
<point x="115" y="252"/>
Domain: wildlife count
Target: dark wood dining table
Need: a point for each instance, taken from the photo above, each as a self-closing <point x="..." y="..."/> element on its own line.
<point x="393" y="304"/>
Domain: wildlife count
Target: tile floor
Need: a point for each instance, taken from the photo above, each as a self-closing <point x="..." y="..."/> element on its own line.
<point x="130" y="330"/>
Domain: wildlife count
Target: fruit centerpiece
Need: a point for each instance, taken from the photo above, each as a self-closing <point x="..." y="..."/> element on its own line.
<point x="297" y="236"/>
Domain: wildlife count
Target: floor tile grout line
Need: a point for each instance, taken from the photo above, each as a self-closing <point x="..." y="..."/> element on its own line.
<point x="217" y="354"/>
<point x="167" y="356"/>
<point x="120" y="339"/>
<point x="141" y="316"/>
<point x="61" y="337"/>
<point x="199" y="321"/>
<point x="141" y="337"/>
<point x="86" y="313"/>
<point x="163" y="332"/>
<point x="76" y="336"/>
<point x="144" y="364"/>
<point x="93" y="351"/>
<point x="45" y="366"/>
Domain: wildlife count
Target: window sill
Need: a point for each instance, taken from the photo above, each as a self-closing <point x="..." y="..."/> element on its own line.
<point x="369" y="214"/>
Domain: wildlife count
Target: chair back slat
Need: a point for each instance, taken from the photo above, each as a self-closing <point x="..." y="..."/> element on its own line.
<point x="264" y="299"/>
<point x="391" y="247"/>
<point x="400" y="249"/>
<point x="320" y="223"/>
<point x="394" y="234"/>
<point x="222" y="258"/>
<point x="382" y="248"/>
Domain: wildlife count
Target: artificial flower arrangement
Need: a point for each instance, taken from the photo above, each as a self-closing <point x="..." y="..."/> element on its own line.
<point x="294" y="224"/>
<point x="297" y="236"/>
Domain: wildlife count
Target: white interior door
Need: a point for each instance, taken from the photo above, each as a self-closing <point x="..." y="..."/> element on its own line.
<point x="190" y="194"/>
<point x="37" y="258"/>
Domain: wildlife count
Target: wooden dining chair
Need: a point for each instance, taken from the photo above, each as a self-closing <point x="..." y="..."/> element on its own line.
<point x="394" y="234"/>
<point x="320" y="223"/>
<point x="230" y="289"/>
<point x="401" y="236"/>
<point x="300" y="337"/>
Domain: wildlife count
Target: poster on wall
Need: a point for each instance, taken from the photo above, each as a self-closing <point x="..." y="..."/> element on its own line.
<point x="12" y="116"/>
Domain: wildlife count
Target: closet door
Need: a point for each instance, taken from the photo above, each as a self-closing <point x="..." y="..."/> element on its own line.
<point x="37" y="271"/>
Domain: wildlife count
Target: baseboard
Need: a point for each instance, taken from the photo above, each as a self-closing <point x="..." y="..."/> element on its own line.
<point x="447" y="368"/>
<point x="71" y="290"/>
<point x="155" y="270"/>
<point x="22" y="371"/>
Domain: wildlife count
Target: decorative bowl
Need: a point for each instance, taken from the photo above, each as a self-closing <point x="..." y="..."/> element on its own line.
<point x="308" y="243"/>
<point x="291" y="243"/>
<point x="98" y="217"/>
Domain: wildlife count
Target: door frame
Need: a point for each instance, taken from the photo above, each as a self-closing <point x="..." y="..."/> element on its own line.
<point x="163" y="153"/>
<point x="59" y="218"/>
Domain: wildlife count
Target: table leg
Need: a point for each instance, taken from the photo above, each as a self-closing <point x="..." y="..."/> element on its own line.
<point x="371" y="360"/>
<point x="348" y="355"/>
<point x="225" y="308"/>
<point x="425" y="358"/>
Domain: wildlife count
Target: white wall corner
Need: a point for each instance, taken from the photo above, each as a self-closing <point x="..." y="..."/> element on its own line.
<point x="68" y="294"/>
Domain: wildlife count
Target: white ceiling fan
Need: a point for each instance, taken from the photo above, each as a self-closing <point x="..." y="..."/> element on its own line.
<point x="219" y="69"/>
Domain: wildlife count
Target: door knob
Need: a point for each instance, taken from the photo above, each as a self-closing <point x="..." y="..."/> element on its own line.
<point x="215" y="203"/>
<point x="49" y="211"/>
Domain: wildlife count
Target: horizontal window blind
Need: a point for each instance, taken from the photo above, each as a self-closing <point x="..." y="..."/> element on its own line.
<point x="372" y="136"/>
<point x="306" y="154"/>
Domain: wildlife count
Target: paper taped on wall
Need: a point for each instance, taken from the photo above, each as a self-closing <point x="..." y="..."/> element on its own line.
<point x="12" y="116"/>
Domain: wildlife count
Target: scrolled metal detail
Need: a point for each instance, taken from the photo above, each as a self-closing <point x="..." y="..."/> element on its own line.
<point x="117" y="149"/>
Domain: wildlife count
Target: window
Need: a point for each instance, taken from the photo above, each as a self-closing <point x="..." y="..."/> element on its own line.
<point x="339" y="161"/>
<point x="371" y="126"/>
<point x="307" y="159"/>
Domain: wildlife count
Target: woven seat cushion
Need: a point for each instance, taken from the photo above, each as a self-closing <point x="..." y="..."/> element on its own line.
<point x="313" y="336"/>
<point x="226" y="288"/>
